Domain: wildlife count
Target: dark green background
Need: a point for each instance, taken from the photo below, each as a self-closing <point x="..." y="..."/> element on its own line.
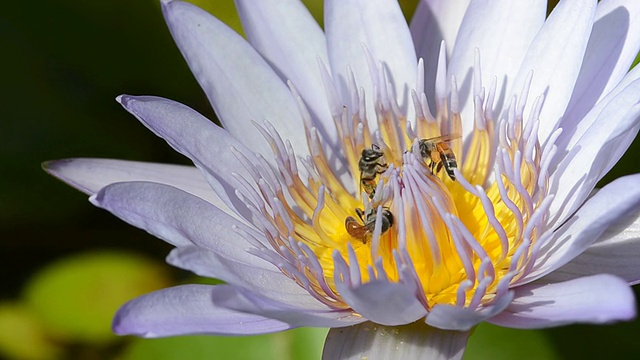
<point x="63" y="63"/>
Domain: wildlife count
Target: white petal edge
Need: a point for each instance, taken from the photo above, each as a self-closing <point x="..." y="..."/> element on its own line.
<point x="433" y="22"/>
<point x="613" y="45"/>
<point x="450" y="317"/>
<point x="616" y="252"/>
<point x="239" y="83"/>
<point x="187" y="310"/>
<point x="598" y="299"/>
<point x="382" y="28"/>
<point x="502" y="31"/>
<point x="583" y="228"/>
<point x="374" y="341"/>
<point x="555" y="56"/>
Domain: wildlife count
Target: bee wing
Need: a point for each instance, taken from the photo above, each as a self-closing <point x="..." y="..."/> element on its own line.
<point x="445" y="138"/>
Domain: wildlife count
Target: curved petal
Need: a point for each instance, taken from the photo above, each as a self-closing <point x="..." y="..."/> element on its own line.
<point x="374" y="341"/>
<point x="381" y="27"/>
<point x="616" y="252"/>
<point x="383" y="302"/>
<point x="599" y="213"/>
<point x="594" y="154"/>
<point x="267" y="282"/>
<point x="288" y="37"/>
<point x="240" y="85"/>
<point x="598" y="299"/>
<point x="90" y="175"/>
<point x="188" y="309"/>
<point x="449" y="317"/>
<point x="178" y="218"/>
<point x="206" y="144"/>
<point x="555" y="56"/>
<point x="613" y="45"/>
<point x="250" y="302"/>
<point x="433" y="22"/>
<point x="502" y="31"/>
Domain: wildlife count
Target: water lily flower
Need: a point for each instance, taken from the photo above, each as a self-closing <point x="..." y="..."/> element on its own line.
<point x="492" y="125"/>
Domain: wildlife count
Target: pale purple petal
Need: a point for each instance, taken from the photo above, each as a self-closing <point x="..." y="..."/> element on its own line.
<point x="383" y="302"/>
<point x="449" y="317"/>
<point x="503" y="31"/>
<point x="91" y="175"/>
<point x="188" y="309"/>
<point x="248" y="301"/>
<point x="555" y="57"/>
<point x="289" y="38"/>
<point x="206" y="144"/>
<point x="239" y="83"/>
<point x="433" y="22"/>
<point x="374" y="341"/>
<point x="616" y="252"/>
<point x="382" y="28"/>
<point x="598" y="299"/>
<point x="600" y="212"/>
<point x="270" y="283"/>
<point x="595" y="153"/>
<point x="179" y="218"/>
<point x="613" y="45"/>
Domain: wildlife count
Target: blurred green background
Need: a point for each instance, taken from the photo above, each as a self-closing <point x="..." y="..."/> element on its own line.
<point x="67" y="266"/>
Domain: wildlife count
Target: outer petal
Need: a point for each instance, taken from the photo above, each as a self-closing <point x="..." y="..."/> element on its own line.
<point x="503" y="31"/>
<point x="613" y="45"/>
<point x="595" y="153"/>
<point x="289" y="38"/>
<point x="616" y="252"/>
<point x="250" y="302"/>
<point x="433" y="22"/>
<point x="599" y="213"/>
<point x="193" y="135"/>
<point x="270" y="283"/>
<point x="374" y="341"/>
<point x="179" y="218"/>
<point x="381" y="27"/>
<point x="595" y="299"/>
<point x="188" y="309"/>
<point x="240" y="85"/>
<point x="91" y="175"/>
<point x="555" y="57"/>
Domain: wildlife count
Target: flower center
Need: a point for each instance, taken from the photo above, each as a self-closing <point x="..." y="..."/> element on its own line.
<point x="460" y="218"/>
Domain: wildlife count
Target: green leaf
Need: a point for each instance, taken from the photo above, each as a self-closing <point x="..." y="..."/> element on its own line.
<point x="78" y="296"/>
<point x="493" y="342"/>
<point x="22" y="335"/>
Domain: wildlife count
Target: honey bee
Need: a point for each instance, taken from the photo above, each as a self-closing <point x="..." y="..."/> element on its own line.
<point x="365" y="231"/>
<point x="437" y="154"/>
<point x="371" y="164"/>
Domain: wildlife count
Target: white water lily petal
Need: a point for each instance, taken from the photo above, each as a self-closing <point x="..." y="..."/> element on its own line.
<point x="599" y="148"/>
<point x="239" y="83"/>
<point x="608" y="205"/>
<point x="613" y="45"/>
<point x="188" y="309"/>
<point x="381" y="27"/>
<point x="598" y="299"/>
<point x="289" y="38"/>
<point x="383" y="302"/>
<point x="616" y="252"/>
<point x="193" y="135"/>
<point x="414" y="341"/>
<point x="433" y="22"/>
<point x="91" y="175"/>
<point x="270" y="283"/>
<point x="247" y="301"/>
<point x="493" y="27"/>
<point x="555" y="56"/>
<point x="178" y="218"/>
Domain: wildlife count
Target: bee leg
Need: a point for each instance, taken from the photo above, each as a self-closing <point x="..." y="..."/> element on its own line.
<point x="360" y="214"/>
<point x="438" y="167"/>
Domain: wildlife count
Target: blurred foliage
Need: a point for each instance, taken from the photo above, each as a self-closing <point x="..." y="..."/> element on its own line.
<point x="64" y="62"/>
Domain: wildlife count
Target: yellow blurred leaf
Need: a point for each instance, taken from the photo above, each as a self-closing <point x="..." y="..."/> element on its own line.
<point x="22" y="335"/>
